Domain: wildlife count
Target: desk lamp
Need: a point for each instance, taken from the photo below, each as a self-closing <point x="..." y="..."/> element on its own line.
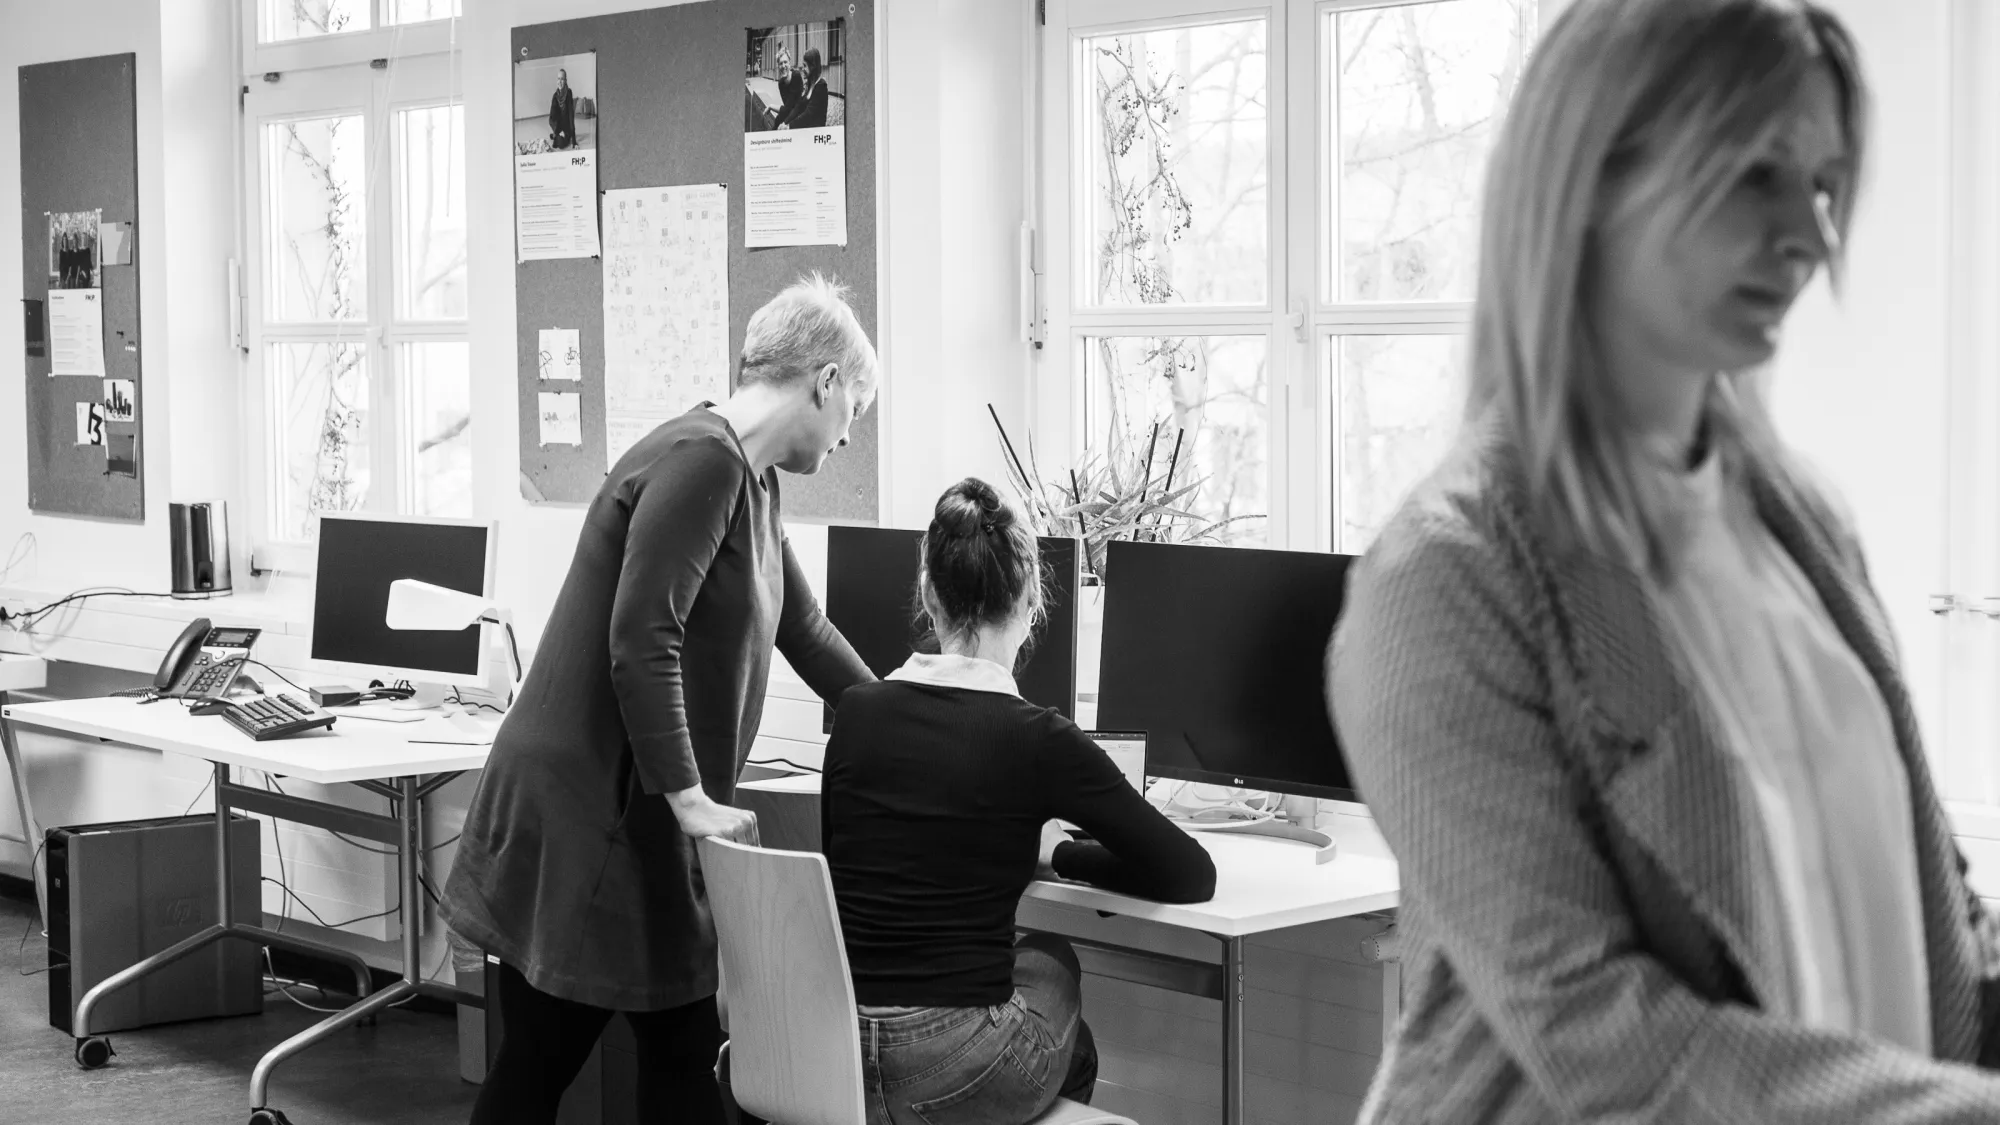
<point x="417" y="605"/>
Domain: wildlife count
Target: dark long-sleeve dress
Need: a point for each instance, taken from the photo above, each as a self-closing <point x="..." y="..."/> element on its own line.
<point x="562" y="118"/>
<point x="649" y="679"/>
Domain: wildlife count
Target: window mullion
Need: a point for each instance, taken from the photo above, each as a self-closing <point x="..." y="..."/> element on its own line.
<point x="388" y="487"/>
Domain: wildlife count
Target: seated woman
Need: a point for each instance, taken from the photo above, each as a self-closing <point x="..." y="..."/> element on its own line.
<point x="940" y="786"/>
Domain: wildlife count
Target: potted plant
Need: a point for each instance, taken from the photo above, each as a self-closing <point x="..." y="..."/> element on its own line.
<point x="1136" y="495"/>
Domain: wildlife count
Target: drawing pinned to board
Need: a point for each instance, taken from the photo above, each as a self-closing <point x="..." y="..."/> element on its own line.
<point x="562" y="354"/>
<point x="89" y="423"/>
<point x="121" y="454"/>
<point x="666" y="307"/>
<point x="73" y="260"/>
<point x="555" y="157"/>
<point x="561" y="414"/>
<point x="118" y="398"/>
<point x="795" y="135"/>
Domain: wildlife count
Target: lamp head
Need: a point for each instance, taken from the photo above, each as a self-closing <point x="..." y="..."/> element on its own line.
<point x="421" y="605"/>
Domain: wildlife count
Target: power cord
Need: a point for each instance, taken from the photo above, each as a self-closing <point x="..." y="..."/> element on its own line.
<point x="21" y="951"/>
<point x="464" y="702"/>
<point x="33" y="617"/>
<point x="291" y="896"/>
<point x="288" y="680"/>
<point x="780" y="761"/>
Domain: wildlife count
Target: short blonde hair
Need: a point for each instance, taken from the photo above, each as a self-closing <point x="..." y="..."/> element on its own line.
<point x="801" y="330"/>
<point x="1676" y="98"/>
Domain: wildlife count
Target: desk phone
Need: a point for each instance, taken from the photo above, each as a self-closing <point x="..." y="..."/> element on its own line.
<point x="203" y="661"/>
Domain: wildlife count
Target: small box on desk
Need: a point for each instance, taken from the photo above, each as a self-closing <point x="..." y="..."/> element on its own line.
<point x="119" y="893"/>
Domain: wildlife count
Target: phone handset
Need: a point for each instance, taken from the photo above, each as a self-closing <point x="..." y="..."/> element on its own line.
<point x="181" y="655"/>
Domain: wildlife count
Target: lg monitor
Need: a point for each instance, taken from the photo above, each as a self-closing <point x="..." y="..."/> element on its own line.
<point x="871" y="597"/>
<point x="359" y="556"/>
<point x="1218" y="654"/>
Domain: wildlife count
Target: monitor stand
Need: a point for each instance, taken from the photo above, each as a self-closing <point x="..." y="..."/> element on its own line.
<point x="423" y="697"/>
<point x="1324" y="847"/>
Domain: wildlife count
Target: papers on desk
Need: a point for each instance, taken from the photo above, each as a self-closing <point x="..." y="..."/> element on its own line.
<point x="454" y="730"/>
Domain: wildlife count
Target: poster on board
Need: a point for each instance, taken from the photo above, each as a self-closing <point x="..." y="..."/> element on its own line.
<point x="666" y="307"/>
<point x="795" y="135"/>
<point x="555" y="157"/>
<point x="73" y="257"/>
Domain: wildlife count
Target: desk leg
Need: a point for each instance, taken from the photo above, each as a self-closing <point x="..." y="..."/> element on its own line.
<point x="409" y="858"/>
<point x="1232" y="1031"/>
<point x="29" y="832"/>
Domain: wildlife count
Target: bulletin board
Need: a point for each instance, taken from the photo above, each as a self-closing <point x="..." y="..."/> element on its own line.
<point x="669" y="109"/>
<point x="79" y="154"/>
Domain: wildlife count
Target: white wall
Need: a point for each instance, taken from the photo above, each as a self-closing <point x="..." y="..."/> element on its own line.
<point x="134" y="554"/>
<point x="1863" y="382"/>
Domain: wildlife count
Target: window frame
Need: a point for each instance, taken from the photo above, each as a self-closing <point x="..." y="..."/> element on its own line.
<point x="1059" y="394"/>
<point x="1301" y="321"/>
<point x="340" y="81"/>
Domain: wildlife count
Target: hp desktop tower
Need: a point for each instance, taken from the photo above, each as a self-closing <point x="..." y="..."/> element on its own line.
<point x="119" y="893"/>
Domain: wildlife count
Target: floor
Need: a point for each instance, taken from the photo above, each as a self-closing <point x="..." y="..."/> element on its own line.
<point x="404" y="1069"/>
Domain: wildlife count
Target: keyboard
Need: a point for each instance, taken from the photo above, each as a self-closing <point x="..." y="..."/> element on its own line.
<point x="275" y="716"/>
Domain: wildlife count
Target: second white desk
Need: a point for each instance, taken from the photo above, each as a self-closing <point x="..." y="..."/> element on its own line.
<point x="1261" y="885"/>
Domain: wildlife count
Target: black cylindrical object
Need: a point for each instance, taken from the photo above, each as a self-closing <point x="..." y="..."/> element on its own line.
<point x="200" y="534"/>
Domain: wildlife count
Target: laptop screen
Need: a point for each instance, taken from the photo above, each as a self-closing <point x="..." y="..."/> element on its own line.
<point x="1127" y="751"/>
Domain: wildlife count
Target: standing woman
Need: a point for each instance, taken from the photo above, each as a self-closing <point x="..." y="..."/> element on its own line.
<point x="576" y="868"/>
<point x="1614" y="680"/>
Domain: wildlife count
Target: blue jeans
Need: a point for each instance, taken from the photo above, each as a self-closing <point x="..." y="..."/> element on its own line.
<point x="1003" y="1065"/>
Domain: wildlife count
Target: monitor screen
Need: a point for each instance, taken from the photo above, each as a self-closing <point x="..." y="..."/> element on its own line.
<point x="359" y="558"/>
<point x="1218" y="655"/>
<point x="871" y="597"/>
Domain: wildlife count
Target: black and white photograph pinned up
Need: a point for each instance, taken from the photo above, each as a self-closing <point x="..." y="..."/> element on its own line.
<point x="73" y="262"/>
<point x="795" y="77"/>
<point x="795" y="135"/>
<point x="555" y="104"/>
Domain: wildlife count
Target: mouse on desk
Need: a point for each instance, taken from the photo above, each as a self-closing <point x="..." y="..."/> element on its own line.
<point x="211" y="707"/>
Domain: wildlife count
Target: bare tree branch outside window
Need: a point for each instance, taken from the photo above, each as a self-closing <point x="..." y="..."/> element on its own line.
<point x="1180" y="191"/>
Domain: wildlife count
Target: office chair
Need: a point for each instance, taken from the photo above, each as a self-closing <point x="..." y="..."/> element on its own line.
<point x="795" y="1058"/>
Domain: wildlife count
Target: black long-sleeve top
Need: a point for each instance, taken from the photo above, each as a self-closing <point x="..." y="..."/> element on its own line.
<point x="649" y="679"/>
<point x="931" y="815"/>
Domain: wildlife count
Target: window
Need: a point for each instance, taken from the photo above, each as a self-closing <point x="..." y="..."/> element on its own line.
<point x="1259" y="236"/>
<point x="355" y="265"/>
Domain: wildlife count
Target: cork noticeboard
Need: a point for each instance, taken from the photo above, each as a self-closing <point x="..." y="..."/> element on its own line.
<point x="668" y="110"/>
<point x="79" y="155"/>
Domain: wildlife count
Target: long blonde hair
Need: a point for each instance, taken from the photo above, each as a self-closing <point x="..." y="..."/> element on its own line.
<point x="1679" y="97"/>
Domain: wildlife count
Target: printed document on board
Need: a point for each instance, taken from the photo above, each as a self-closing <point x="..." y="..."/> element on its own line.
<point x="795" y="189"/>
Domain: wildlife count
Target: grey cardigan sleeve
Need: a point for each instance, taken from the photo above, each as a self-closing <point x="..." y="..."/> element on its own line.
<point x="1435" y="681"/>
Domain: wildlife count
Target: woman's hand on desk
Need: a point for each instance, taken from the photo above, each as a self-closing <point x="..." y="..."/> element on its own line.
<point x="1045" y="856"/>
<point x="700" y="816"/>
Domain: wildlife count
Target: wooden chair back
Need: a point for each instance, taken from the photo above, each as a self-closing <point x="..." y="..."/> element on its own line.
<point x="795" y="1052"/>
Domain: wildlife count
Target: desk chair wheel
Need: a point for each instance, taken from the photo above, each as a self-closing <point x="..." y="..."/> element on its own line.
<point x="268" y="1117"/>
<point x="93" y="1052"/>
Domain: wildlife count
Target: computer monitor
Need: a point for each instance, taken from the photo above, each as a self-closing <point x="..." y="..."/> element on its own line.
<point x="359" y="556"/>
<point x="871" y="591"/>
<point x="1218" y="654"/>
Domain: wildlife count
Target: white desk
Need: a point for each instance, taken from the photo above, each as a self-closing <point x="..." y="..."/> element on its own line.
<point x="1261" y="884"/>
<point x="24" y="673"/>
<point x="384" y="758"/>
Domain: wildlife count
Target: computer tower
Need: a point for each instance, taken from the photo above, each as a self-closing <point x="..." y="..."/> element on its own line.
<point x="119" y="893"/>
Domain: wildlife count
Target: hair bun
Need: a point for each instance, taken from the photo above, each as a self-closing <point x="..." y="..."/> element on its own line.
<point x="972" y="507"/>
